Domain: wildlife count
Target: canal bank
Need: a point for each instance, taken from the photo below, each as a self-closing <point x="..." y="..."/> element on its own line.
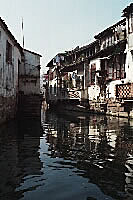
<point x="116" y="109"/>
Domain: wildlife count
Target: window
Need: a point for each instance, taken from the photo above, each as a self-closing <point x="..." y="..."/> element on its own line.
<point x="78" y="82"/>
<point x="60" y="83"/>
<point x="116" y="67"/>
<point x="110" y="41"/>
<point x="50" y="89"/>
<point x="104" y="44"/>
<point x="110" y="72"/>
<point x="115" y="73"/>
<point x="8" y="52"/>
<point x="51" y="76"/>
<point x="117" y="36"/>
<point x="118" y="72"/>
<point x="123" y="71"/>
<point x="93" y="72"/>
<point x="83" y="82"/>
<point x="114" y="37"/>
<point x="132" y="22"/>
<point x="107" y="42"/>
<point x="55" y="88"/>
<point x="1" y="76"/>
<point x="64" y="83"/>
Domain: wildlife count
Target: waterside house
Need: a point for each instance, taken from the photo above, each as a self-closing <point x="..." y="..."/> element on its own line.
<point x="13" y="58"/>
<point x="29" y="85"/>
<point x="99" y="75"/>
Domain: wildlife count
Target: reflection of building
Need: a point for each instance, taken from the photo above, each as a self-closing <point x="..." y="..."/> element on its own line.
<point x="99" y="148"/>
<point x="19" y="158"/>
<point x="100" y="72"/>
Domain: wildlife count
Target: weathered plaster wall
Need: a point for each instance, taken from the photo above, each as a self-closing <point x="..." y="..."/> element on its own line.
<point x="29" y="74"/>
<point x="8" y="72"/>
<point x="94" y="90"/>
<point x="32" y="63"/>
<point x="111" y="88"/>
<point x="29" y="86"/>
<point x="8" y="77"/>
<point x="129" y="55"/>
<point x="129" y="67"/>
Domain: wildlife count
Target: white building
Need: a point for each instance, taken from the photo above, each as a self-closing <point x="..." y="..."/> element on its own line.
<point x="14" y="62"/>
<point x="29" y="74"/>
<point x="10" y="58"/>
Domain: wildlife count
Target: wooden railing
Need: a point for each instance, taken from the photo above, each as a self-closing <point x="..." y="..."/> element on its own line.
<point x="64" y="94"/>
<point x="124" y="91"/>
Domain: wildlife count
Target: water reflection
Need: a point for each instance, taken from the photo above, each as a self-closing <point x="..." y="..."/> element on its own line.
<point x="101" y="146"/>
<point x="68" y="157"/>
<point x="19" y="157"/>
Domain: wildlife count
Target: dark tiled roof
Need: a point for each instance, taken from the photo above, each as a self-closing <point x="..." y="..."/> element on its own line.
<point x="5" y="27"/>
<point x="128" y="10"/>
<point x="103" y="33"/>
<point x="50" y="63"/>
<point x="32" y="52"/>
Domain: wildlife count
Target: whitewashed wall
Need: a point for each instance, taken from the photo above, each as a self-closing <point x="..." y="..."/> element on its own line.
<point x="8" y="72"/>
<point x="30" y="74"/>
<point x="111" y="88"/>
<point x="94" y="90"/>
<point x="31" y="62"/>
<point x="129" y="55"/>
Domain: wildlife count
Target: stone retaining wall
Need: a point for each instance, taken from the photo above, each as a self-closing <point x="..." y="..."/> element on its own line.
<point x="8" y="108"/>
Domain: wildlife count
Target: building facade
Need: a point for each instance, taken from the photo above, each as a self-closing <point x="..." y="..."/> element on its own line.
<point x="10" y="57"/>
<point x="29" y="86"/>
<point x="14" y="63"/>
<point x="29" y="74"/>
<point x="100" y="72"/>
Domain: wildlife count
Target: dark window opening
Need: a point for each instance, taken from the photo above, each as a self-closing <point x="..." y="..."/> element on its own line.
<point x="78" y="82"/>
<point x="65" y="83"/>
<point x="93" y="72"/>
<point x="8" y="52"/>
<point x="55" y="88"/>
<point x="83" y="82"/>
<point x="50" y="89"/>
<point x="131" y="22"/>
<point x="110" y="75"/>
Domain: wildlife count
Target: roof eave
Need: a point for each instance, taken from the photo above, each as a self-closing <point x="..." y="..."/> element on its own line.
<point x="101" y="34"/>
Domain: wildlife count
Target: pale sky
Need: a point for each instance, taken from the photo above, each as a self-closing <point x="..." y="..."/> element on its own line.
<point x="53" y="26"/>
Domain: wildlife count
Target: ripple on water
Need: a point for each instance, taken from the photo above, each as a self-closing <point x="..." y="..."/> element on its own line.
<point x="67" y="158"/>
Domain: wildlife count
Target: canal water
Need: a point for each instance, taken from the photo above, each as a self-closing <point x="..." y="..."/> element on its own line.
<point x="67" y="157"/>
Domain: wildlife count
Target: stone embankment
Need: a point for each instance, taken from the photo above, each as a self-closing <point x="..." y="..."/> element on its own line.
<point x="116" y="109"/>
